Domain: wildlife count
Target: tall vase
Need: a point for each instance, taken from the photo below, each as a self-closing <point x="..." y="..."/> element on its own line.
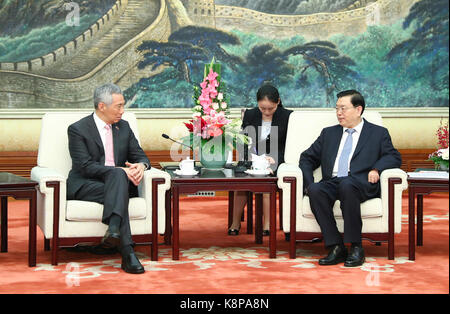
<point x="213" y="153"/>
<point x="442" y="167"/>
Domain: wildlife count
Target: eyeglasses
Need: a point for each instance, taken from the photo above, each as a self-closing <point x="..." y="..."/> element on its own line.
<point x="343" y="109"/>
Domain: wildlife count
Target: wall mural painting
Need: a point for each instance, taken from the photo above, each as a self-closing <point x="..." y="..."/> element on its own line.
<point x="54" y="52"/>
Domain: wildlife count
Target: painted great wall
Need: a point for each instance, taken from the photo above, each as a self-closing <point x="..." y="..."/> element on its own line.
<point x="106" y="51"/>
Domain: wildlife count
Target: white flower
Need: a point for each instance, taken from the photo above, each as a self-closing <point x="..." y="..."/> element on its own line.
<point x="224" y="105"/>
<point x="220" y="96"/>
<point x="215" y="106"/>
<point x="444" y="153"/>
<point x="198" y="108"/>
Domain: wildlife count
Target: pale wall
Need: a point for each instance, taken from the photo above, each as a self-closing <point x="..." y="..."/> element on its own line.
<point x="23" y="134"/>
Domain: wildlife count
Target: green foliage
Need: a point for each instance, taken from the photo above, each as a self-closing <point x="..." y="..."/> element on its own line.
<point x="392" y="65"/>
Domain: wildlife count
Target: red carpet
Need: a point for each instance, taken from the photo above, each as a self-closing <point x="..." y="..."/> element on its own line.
<point x="212" y="262"/>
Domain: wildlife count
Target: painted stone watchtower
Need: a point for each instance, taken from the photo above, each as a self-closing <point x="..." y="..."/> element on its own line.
<point x="202" y="12"/>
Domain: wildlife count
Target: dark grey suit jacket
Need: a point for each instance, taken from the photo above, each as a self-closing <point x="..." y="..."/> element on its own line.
<point x="373" y="151"/>
<point x="88" y="155"/>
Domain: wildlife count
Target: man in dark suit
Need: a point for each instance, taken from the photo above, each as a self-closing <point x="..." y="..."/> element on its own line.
<point x="352" y="155"/>
<point x="107" y="166"/>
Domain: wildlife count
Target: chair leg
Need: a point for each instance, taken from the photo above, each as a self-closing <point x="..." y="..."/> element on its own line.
<point x="46" y="244"/>
<point x="54" y="254"/>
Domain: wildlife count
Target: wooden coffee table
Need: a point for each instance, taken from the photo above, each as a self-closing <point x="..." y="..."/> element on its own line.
<point x="224" y="180"/>
<point x="19" y="188"/>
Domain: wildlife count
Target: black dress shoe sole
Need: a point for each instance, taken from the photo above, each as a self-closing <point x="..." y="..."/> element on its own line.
<point x="133" y="271"/>
<point x="355" y="263"/>
<point x="111" y="242"/>
<point x="330" y="263"/>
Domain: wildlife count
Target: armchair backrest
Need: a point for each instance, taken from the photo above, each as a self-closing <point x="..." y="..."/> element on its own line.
<point x="305" y="127"/>
<point x="54" y="144"/>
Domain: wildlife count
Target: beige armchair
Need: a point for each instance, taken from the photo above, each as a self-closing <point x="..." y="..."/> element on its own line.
<point x="70" y="223"/>
<point x="381" y="216"/>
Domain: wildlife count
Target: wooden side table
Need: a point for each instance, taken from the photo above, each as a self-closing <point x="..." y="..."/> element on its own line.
<point x="417" y="188"/>
<point x="21" y="189"/>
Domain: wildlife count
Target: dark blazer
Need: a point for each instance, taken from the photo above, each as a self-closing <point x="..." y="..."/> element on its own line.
<point x="88" y="155"/>
<point x="373" y="151"/>
<point x="253" y="117"/>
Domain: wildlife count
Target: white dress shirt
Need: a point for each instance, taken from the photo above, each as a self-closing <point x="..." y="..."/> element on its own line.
<point x="265" y="129"/>
<point x="101" y="129"/>
<point x="355" y="136"/>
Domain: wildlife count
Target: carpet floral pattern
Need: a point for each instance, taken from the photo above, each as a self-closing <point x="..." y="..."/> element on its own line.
<point x="213" y="262"/>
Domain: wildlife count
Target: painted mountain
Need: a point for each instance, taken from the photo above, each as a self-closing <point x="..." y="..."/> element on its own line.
<point x="397" y="56"/>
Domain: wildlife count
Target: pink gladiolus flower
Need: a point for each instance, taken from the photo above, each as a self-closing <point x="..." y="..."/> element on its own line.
<point x="212" y="75"/>
<point x="214" y="83"/>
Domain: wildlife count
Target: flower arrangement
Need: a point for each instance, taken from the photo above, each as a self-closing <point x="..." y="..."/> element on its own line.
<point x="210" y="118"/>
<point x="210" y="112"/>
<point x="441" y="156"/>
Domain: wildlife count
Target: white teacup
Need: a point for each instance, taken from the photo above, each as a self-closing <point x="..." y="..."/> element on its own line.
<point x="260" y="164"/>
<point x="187" y="165"/>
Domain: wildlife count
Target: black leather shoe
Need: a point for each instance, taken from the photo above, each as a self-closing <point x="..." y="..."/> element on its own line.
<point x="131" y="264"/>
<point x="356" y="257"/>
<point x="111" y="239"/>
<point x="233" y="232"/>
<point x="336" y="255"/>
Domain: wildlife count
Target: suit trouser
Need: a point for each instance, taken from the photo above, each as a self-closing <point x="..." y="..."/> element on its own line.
<point x="114" y="193"/>
<point x="322" y="196"/>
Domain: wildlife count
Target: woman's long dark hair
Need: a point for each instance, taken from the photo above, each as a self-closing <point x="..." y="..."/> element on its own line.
<point x="269" y="91"/>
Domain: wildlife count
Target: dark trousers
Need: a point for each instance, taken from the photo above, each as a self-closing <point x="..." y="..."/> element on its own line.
<point x="322" y="196"/>
<point x="114" y="193"/>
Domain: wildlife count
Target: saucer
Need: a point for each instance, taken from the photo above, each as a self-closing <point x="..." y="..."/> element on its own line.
<point x="180" y="173"/>
<point x="258" y="173"/>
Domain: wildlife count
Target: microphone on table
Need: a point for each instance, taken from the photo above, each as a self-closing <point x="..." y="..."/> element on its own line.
<point x="168" y="137"/>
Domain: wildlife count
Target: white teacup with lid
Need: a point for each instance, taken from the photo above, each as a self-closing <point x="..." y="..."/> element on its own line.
<point x="259" y="163"/>
<point x="187" y="166"/>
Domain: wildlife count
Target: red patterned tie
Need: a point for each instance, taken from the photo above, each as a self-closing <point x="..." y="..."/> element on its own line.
<point x="109" y="147"/>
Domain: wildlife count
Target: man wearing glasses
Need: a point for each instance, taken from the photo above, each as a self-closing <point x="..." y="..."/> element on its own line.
<point x="352" y="155"/>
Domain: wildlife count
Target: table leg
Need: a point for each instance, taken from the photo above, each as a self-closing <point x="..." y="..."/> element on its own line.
<point x="250" y="213"/>
<point x="273" y="224"/>
<point x="4" y="224"/>
<point x="230" y="208"/>
<point x="168" y="233"/>
<point x="411" y="223"/>
<point x="176" y="224"/>
<point x="258" y="218"/>
<point x="32" y="232"/>
<point x="419" y="220"/>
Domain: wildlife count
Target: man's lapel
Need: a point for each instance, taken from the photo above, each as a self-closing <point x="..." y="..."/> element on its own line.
<point x="94" y="131"/>
<point x="115" y="131"/>
<point x="363" y="138"/>
<point x="334" y="147"/>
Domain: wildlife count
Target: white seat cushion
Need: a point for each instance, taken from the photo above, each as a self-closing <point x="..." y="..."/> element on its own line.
<point x="91" y="211"/>
<point x="369" y="209"/>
